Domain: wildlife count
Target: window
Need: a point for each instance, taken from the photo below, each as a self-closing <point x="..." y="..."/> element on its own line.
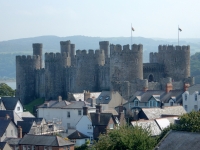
<point x="108" y="97"/>
<point x="73" y="140"/>
<point x="89" y="126"/>
<point x="171" y="103"/>
<point x="68" y="114"/>
<point x="45" y="147"/>
<point x="24" y="147"/>
<point x="111" y="126"/>
<point x="18" y="108"/>
<point x="195" y="97"/>
<point x="186" y="107"/>
<point x="185" y="96"/>
<point x="136" y="103"/>
<point x="100" y="98"/>
<point x="152" y="103"/>
<point x="195" y="107"/>
<point x="79" y="112"/>
<point x="12" y="132"/>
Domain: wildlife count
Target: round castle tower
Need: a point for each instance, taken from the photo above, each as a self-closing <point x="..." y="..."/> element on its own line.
<point x="126" y="64"/>
<point x="25" y="74"/>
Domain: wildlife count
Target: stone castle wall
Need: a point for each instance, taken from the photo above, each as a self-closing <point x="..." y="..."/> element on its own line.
<point x="109" y="68"/>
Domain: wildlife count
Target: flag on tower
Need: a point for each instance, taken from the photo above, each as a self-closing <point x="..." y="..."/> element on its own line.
<point x="180" y="29"/>
<point x="132" y="29"/>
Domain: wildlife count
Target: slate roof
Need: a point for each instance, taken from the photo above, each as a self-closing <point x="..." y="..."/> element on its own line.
<point x="14" y="117"/>
<point x="78" y="104"/>
<point x="149" y="125"/>
<point x="2" y="145"/>
<point x="54" y="104"/>
<point x="110" y="110"/>
<point x="37" y="120"/>
<point x="12" y="141"/>
<point x="180" y="140"/>
<point x="3" y="125"/>
<point x="163" y="95"/>
<point x="80" y="96"/>
<point x="77" y="135"/>
<point x="153" y="113"/>
<point x="26" y="114"/>
<point x="104" y="118"/>
<point x="26" y="126"/>
<point x="194" y="88"/>
<point x="9" y="102"/>
<point x="44" y="140"/>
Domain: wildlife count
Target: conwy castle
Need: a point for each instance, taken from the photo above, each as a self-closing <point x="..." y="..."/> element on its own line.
<point x="112" y="67"/>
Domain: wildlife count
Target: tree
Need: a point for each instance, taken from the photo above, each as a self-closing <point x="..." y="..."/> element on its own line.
<point x="189" y="122"/>
<point x="126" y="138"/>
<point x="5" y="90"/>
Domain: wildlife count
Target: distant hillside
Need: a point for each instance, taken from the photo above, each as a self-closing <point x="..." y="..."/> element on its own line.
<point x="9" y="49"/>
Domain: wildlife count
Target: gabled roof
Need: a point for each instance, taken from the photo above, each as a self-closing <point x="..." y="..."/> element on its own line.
<point x="12" y="141"/>
<point x="77" y="104"/>
<point x="44" y="140"/>
<point x="194" y="88"/>
<point x="54" y="104"/>
<point x="180" y="140"/>
<point x="149" y="125"/>
<point x="2" y="145"/>
<point x="14" y="117"/>
<point x="26" y="126"/>
<point x="163" y="95"/>
<point x="104" y="118"/>
<point x="77" y="135"/>
<point x="9" y="102"/>
<point x="3" y="125"/>
<point x="153" y="113"/>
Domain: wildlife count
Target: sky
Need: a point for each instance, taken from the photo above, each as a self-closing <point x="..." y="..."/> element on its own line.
<point x="102" y="18"/>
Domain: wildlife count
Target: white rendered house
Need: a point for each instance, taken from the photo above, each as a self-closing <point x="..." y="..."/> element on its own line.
<point x="191" y="98"/>
<point x="69" y="113"/>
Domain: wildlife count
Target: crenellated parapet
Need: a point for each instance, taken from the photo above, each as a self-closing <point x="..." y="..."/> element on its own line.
<point x="117" y="49"/>
<point x="164" y="48"/>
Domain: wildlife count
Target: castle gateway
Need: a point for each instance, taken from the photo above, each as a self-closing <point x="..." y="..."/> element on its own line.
<point x="112" y="67"/>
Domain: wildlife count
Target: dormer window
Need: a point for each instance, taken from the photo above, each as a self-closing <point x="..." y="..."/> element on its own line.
<point x="136" y="103"/>
<point x="100" y="98"/>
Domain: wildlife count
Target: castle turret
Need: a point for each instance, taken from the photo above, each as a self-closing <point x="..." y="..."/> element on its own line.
<point x="126" y="64"/>
<point x="104" y="45"/>
<point x="37" y="50"/>
<point x="26" y="67"/>
<point x="176" y="60"/>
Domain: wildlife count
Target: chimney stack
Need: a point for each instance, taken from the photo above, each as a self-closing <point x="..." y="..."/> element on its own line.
<point x="85" y="111"/>
<point x="19" y="132"/>
<point x="145" y="89"/>
<point x="86" y="95"/>
<point x="59" y="98"/>
<point x="186" y="86"/>
<point x="7" y="117"/>
<point x="99" y="107"/>
<point x="97" y="117"/>
<point x="169" y="87"/>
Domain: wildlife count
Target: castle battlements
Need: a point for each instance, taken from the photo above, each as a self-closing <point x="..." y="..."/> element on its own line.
<point x="162" y="48"/>
<point x="55" y="56"/>
<point x="117" y="49"/>
<point x="27" y="57"/>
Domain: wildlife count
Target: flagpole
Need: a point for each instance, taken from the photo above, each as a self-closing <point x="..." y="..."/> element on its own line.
<point x="131" y="34"/>
<point x="178" y="35"/>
